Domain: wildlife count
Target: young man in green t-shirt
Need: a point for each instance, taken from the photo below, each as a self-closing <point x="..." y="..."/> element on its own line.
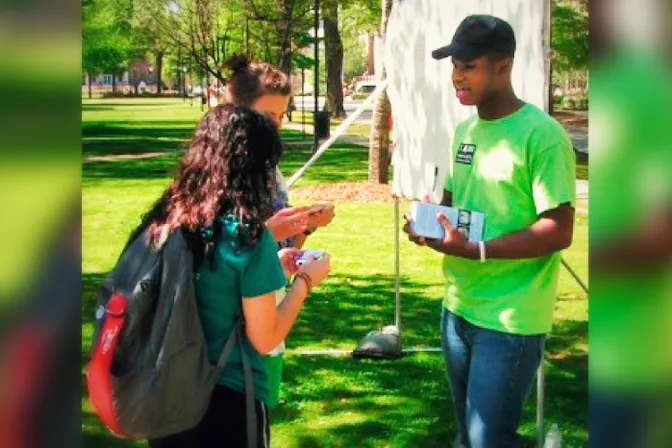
<point x="515" y="164"/>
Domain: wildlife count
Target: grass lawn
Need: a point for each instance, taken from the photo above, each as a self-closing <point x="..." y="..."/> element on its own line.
<point x="328" y="401"/>
<point x="582" y="169"/>
<point x="356" y="129"/>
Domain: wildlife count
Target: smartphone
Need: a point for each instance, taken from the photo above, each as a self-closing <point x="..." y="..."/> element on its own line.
<point x="318" y="208"/>
<point x="307" y="255"/>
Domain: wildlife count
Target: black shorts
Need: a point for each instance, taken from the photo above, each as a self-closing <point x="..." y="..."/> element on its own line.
<point x="223" y="425"/>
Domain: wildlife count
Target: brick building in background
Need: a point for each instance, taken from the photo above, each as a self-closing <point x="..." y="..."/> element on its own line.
<point x="139" y="77"/>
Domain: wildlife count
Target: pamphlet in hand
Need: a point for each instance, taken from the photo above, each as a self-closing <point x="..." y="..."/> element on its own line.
<point x="426" y="223"/>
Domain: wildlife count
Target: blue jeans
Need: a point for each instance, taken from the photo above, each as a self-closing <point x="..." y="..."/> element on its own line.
<point x="491" y="375"/>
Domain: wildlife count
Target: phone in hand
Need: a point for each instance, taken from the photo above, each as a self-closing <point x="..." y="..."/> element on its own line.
<point x="308" y="255"/>
<point x="318" y="208"/>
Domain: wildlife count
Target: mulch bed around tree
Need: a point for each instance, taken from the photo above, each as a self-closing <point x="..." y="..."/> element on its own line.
<point x="365" y="192"/>
<point x="360" y="192"/>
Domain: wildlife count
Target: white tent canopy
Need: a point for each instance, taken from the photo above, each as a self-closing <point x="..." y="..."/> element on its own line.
<point x="424" y="107"/>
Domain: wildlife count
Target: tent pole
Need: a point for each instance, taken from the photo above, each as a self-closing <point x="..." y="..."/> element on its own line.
<point x="397" y="292"/>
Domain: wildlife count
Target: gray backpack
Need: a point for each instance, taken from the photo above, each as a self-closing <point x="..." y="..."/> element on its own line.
<point x="149" y="374"/>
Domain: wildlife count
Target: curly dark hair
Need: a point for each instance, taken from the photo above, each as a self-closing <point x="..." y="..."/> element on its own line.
<point x="229" y="168"/>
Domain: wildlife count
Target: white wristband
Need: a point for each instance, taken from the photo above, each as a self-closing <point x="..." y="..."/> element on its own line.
<point x="481" y="250"/>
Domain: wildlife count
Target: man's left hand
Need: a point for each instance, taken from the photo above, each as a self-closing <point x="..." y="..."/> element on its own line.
<point x="288" y="257"/>
<point x="454" y="242"/>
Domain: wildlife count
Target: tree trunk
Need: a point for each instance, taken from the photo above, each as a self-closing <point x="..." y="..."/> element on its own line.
<point x="370" y="65"/>
<point x="286" y="67"/>
<point x="90" y="85"/>
<point x="286" y="63"/>
<point x="334" y="60"/>
<point x="159" y="69"/>
<point x="286" y="36"/>
<point x="114" y="81"/>
<point x="379" y="144"/>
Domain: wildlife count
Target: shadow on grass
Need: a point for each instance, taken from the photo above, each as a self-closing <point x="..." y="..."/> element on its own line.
<point x="102" y="138"/>
<point x="340" y="401"/>
<point x="113" y="146"/>
<point x="406" y="402"/>
<point x="107" y="105"/>
<point x="296" y="135"/>
<point x="342" y="163"/>
<point x="132" y="137"/>
<point x="160" y="167"/>
<point x="347" y="307"/>
<point x="95" y="435"/>
<point x="367" y="403"/>
<point x="142" y="128"/>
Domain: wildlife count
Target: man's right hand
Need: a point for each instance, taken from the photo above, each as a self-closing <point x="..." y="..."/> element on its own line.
<point x="408" y="229"/>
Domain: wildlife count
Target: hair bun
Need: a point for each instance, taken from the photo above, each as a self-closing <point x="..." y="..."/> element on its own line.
<point x="237" y="64"/>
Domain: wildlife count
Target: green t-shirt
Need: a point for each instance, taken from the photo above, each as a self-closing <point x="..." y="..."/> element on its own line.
<point x="240" y="271"/>
<point x="511" y="169"/>
<point x="630" y="312"/>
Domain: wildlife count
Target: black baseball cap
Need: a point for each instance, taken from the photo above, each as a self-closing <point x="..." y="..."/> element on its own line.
<point x="477" y="35"/>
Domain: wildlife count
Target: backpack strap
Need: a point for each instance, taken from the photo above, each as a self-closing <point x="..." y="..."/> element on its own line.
<point x="251" y="416"/>
<point x="226" y="351"/>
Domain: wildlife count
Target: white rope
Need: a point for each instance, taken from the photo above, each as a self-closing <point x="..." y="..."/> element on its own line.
<point x="335" y="352"/>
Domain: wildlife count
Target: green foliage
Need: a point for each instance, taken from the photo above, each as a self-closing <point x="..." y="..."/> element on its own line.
<point x="355" y="58"/>
<point x="108" y="41"/>
<point x="360" y="17"/>
<point x="310" y="75"/>
<point x="302" y="61"/>
<point x="570" y="35"/>
<point x="357" y="18"/>
<point x="575" y="102"/>
<point x="208" y="32"/>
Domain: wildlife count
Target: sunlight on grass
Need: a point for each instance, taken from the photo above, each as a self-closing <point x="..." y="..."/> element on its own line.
<point x="362" y="130"/>
<point x="582" y="170"/>
<point x="327" y="401"/>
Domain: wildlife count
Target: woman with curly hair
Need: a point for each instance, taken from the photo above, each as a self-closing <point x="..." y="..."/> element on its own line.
<point x="221" y="197"/>
<point x="266" y="89"/>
